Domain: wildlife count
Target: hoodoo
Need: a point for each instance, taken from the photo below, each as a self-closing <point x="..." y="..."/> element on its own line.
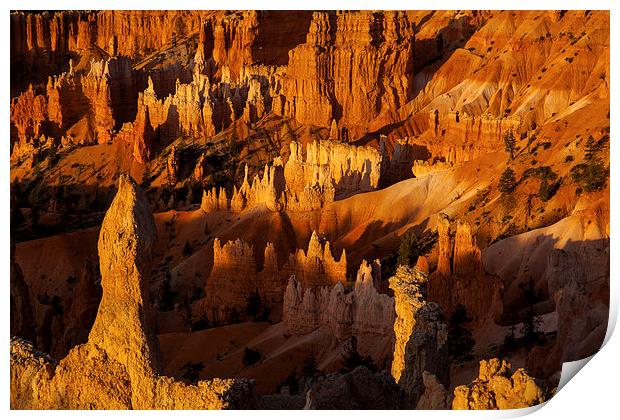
<point x="306" y="209"/>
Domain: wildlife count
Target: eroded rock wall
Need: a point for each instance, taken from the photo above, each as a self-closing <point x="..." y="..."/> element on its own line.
<point x="460" y="270"/>
<point x="342" y="70"/>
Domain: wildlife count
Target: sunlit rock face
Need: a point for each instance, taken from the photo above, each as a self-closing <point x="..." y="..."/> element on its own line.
<point x="420" y="331"/>
<point x="286" y="156"/>
<point x="235" y="277"/>
<point x="118" y="366"/>
<point x="363" y="312"/>
<point x="498" y="386"/>
<point x="342" y="70"/>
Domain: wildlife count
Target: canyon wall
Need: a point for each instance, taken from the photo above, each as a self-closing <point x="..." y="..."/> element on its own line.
<point x="39" y="40"/>
<point x="343" y="69"/>
<point x="303" y="184"/>
<point x="351" y="169"/>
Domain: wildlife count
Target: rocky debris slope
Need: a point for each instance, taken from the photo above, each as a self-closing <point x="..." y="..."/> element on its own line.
<point x="498" y="387"/>
<point x="567" y="266"/>
<point x="471" y="91"/>
<point x="118" y="367"/>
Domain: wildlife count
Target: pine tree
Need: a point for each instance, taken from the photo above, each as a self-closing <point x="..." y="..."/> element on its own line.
<point x="508" y="181"/>
<point x="460" y="339"/>
<point x="531" y="325"/>
<point x="187" y="249"/>
<point x="309" y="368"/>
<point x="510" y="143"/>
<point x="408" y="251"/>
<point x="352" y="358"/>
<point x="544" y="192"/>
<point x="591" y="148"/>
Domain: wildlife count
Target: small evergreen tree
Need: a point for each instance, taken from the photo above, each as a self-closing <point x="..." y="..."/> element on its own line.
<point x="412" y="247"/>
<point x="408" y="251"/>
<point x="191" y="371"/>
<point x="591" y="176"/>
<point x="291" y="382"/>
<point x="508" y="181"/>
<point x="544" y="191"/>
<point x="510" y="341"/>
<point x="510" y="143"/>
<point x="592" y="147"/>
<point x="166" y="295"/>
<point x="309" y="367"/>
<point x="531" y="325"/>
<point x="251" y="356"/>
<point x="460" y="339"/>
<point x="253" y="303"/>
<point x="187" y="249"/>
<point x="352" y="358"/>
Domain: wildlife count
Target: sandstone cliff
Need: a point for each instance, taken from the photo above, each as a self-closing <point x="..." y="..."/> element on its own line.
<point x="459" y="270"/>
<point x="351" y="169"/>
<point x="421" y="335"/>
<point x="363" y="312"/>
<point x="303" y="184"/>
<point x="235" y="278"/>
<point x="342" y="70"/>
<point x="118" y="367"/>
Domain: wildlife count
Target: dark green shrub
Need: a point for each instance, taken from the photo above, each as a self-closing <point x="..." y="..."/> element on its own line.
<point x="411" y="247"/>
<point x="460" y="340"/>
<point x="187" y="249"/>
<point x="167" y="296"/>
<point x="191" y="371"/>
<point x="251" y="356"/>
<point x="291" y="382"/>
<point x="546" y="190"/>
<point x="591" y="176"/>
<point x="508" y="181"/>
<point x="510" y="143"/>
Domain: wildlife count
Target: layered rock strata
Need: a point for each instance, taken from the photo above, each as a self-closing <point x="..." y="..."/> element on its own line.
<point x="351" y="169"/>
<point x="342" y="70"/>
<point x="303" y="184"/>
